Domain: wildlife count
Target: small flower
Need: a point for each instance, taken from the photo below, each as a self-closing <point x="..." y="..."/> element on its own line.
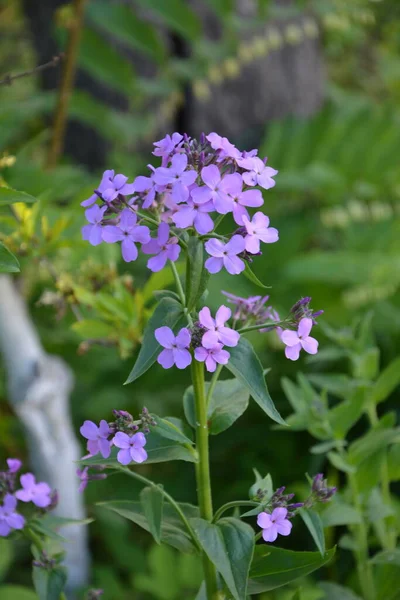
<point x="240" y="199"/>
<point x="127" y="232"/>
<point x="14" y="465"/>
<point x="148" y="187"/>
<point x="225" y="255"/>
<point x="93" y="232"/>
<point x="195" y="215"/>
<point x="38" y="493"/>
<point x="176" y="173"/>
<point x="217" y="332"/>
<point x="296" y="341"/>
<point x="257" y="172"/>
<point x="167" y="146"/>
<point x="110" y="187"/>
<point x="175" y="348"/>
<point x="258" y="229"/>
<point x="212" y="354"/>
<point x="132" y="447"/>
<point x="97" y="437"/>
<point x="164" y="247"/>
<point x="274" y="524"/>
<point x="216" y="189"/>
<point x="227" y="150"/>
<point x="85" y="476"/>
<point x="9" y="518"/>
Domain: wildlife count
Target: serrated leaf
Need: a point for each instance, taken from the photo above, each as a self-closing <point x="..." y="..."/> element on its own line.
<point x="314" y="525"/>
<point x="152" y="501"/>
<point x="8" y="262"/>
<point x="10" y="196"/>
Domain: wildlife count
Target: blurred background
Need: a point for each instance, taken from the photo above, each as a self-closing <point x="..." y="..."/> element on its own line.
<point x="315" y="85"/>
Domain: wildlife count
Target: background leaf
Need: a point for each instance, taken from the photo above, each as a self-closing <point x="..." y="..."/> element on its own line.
<point x="315" y="527"/>
<point x="153" y="501"/>
<point x="8" y="262"/>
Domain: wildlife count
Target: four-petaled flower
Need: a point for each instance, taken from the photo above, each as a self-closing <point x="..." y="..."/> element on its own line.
<point x="226" y="149"/>
<point x="225" y="255"/>
<point x="239" y="199"/>
<point x="295" y="341"/>
<point x="176" y="173"/>
<point x="274" y="524"/>
<point x="164" y="247"/>
<point x="9" y="518"/>
<point x="110" y="187"/>
<point x="97" y="437"/>
<point x="194" y="215"/>
<point x="258" y="229"/>
<point x="38" y="493"/>
<point x="127" y="232"/>
<point x="212" y="354"/>
<point x="175" y="347"/>
<point x="14" y="464"/>
<point x="217" y="332"/>
<point x="132" y="447"/>
<point x="166" y="146"/>
<point x="93" y="232"/>
<point x="257" y="172"/>
<point x="216" y="189"/>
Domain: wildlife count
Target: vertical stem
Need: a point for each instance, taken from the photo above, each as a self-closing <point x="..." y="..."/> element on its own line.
<point x="67" y="82"/>
<point x="180" y="291"/>
<point x="203" y="469"/>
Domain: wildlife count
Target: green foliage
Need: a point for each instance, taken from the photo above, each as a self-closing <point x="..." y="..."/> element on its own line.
<point x="153" y="502"/>
<point x="49" y="583"/>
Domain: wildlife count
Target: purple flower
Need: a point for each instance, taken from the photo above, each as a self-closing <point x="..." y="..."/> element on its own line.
<point x="258" y="229"/>
<point x="148" y="187"/>
<point x="132" y="447"/>
<point x="226" y="149"/>
<point x="93" y="232"/>
<point x="175" y="348"/>
<point x="212" y="354"/>
<point x="215" y="189"/>
<point x="85" y="476"/>
<point x="38" y="493"/>
<point x="97" y="437"/>
<point x="9" y="518"/>
<point x="225" y="255"/>
<point x="217" y="332"/>
<point x="296" y="341"/>
<point x="167" y="146"/>
<point x="127" y="232"/>
<point x="240" y="199"/>
<point x="258" y="173"/>
<point x="164" y="247"/>
<point x="110" y="187"/>
<point x="14" y="464"/>
<point x="195" y="215"/>
<point x="274" y="524"/>
<point x="176" y="173"/>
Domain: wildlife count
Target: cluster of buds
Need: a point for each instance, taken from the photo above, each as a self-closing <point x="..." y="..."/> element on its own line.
<point x="320" y="490"/>
<point x="45" y="562"/>
<point x="301" y="310"/>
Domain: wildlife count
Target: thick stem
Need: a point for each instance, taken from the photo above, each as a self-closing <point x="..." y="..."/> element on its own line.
<point x="213" y="383"/>
<point x="203" y="470"/>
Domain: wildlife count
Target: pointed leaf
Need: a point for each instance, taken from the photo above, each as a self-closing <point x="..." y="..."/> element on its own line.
<point x="49" y="583"/>
<point x="386" y="383"/>
<point x="8" y="262"/>
<point x="333" y="591"/>
<point x="253" y="278"/>
<point x="245" y="365"/>
<point x="196" y="276"/>
<point x="9" y="196"/>
<point x="314" y="525"/>
<point x="170" y="430"/>
<point x="339" y="513"/>
<point x="177" y="14"/>
<point x="153" y="501"/>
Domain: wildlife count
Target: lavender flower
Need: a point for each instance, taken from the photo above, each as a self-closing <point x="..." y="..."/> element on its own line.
<point x="14" y="465"/>
<point x="132" y="447"/>
<point x="226" y="149"/>
<point x="127" y="232"/>
<point x="217" y="332"/>
<point x="225" y="255"/>
<point x="93" y="232"/>
<point x="258" y="173"/>
<point x="274" y="524"/>
<point x="212" y="354"/>
<point x="321" y="491"/>
<point x="195" y="215"/>
<point x="97" y="437"/>
<point x="216" y="189"/>
<point x="164" y="247"/>
<point x="175" y="348"/>
<point x="165" y="147"/>
<point x="240" y="199"/>
<point x="38" y="493"/>
<point x="258" y="230"/>
<point x="295" y="341"/>
<point x="85" y="476"/>
<point x="176" y="173"/>
<point x="9" y="518"/>
<point x="110" y="187"/>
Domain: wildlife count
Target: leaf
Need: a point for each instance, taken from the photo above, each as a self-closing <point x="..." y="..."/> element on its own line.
<point x="391" y="557"/>
<point x="339" y="513"/>
<point x="314" y="525"/>
<point x="169" y="313"/>
<point x="16" y="592"/>
<point x="196" y="276"/>
<point x="177" y="15"/>
<point x="54" y="522"/>
<point x="394" y="463"/>
<point x="93" y="330"/>
<point x="173" y="531"/>
<point x="159" y="281"/>
<point x="6" y="556"/>
<point x="122" y="23"/>
<point x="386" y="383"/>
<point x="8" y="262"/>
<point x="246" y="366"/>
<point x="153" y="501"/>
<point x="371" y="442"/>
<point x="253" y="278"/>
<point x="274" y="567"/>
<point x="333" y="591"/>
<point x="345" y="414"/>
<point x="229" y="401"/>
<point x="49" y="583"/>
<point x="9" y="196"/>
<point x="326" y="446"/>
<point x="229" y="546"/>
<point x="167" y="429"/>
<point x="340" y="463"/>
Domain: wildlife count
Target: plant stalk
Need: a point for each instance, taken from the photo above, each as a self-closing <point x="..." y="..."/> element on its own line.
<point x="203" y="470"/>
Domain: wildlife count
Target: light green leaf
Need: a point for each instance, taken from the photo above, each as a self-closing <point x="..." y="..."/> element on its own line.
<point x="55" y="522"/>
<point x="340" y="463"/>
<point x="371" y="443"/>
<point x="196" y="276"/>
<point x="93" y="330"/>
<point x="169" y="313"/>
<point x="170" y="429"/>
<point x="153" y="501"/>
<point x="386" y="383"/>
<point x="16" y="592"/>
<point x="9" y="196"/>
<point x="391" y="557"/>
<point x="338" y="513"/>
<point x="6" y="556"/>
<point x="333" y="591"/>
<point x="177" y="15"/>
<point x="251" y="276"/>
<point x="49" y="583"/>
<point x="246" y="366"/>
<point x="8" y="262"/>
<point x="394" y="463"/>
<point x="314" y="525"/>
<point x="326" y="446"/>
<point x="345" y="414"/>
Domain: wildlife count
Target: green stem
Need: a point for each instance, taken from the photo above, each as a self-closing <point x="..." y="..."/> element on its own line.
<point x="233" y="504"/>
<point x="181" y="293"/>
<point x="33" y="537"/>
<point x="261" y="326"/>
<point x="213" y="383"/>
<point x="203" y="470"/>
<point x="170" y="499"/>
<point x="145" y="217"/>
<point x="218" y="221"/>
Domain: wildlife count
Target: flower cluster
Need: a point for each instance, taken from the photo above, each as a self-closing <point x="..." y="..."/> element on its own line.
<point x="124" y="433"/>
<point x="207" y="339"/>
<point x="197" y="181"/>
<point x="39" y="494"/>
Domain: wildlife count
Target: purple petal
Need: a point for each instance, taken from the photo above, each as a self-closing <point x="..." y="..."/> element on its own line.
<point x="166" y="359"/>
<point x="235" y="245"/>
<point x="16" y="521"/>
<point x="310" y="345"/>
<point x="232" y="184"/>
<point x="163" y="233"/>
<point x="251" y="198"/>
<point x="163" y="176"/>
<point x="95" y="236"/>
<point x="201" y="195"/>
<point x="152" y="247"/>
<point x="142" y="184"/>
<point x="157" y="263"/>
<point x="41" y="500"/>
<point x="290" y="338"/>
<point x="203" y="223"/>
<point x="293" y="352"/>
<point x="140" y="234"/>
<point x="223" y="203"/>
<point x="233" y="264"/>
<point x="268" y="235"/>
<point x="279" y="514"/>
<point x="179" y="163"/>
<point x="252" y="244"/>
<point x="305" y="327"/>
<point x="124" y="456"/>
<point x="165" y="337"/>
<point x="112" y="234"/>
<point x="250" y="178"/>
<point x="139" y="455"/>
<point x="128" y="189"/>
<point x="264" y="179"/>
<point x="239" y="213"/>
<point x="264" y="520"/>
<point x="173" y="251"/>
<point x="10" y="502"/>
<point x="24" y="495"/>
<point x="104" y="447"/>
<point x="182" y="357"/>
<point x="284" y="527"/>
<point x="200" y="354"/>
<point x="4" y="529"/>
<point x="206" y="319"/>
<point x="211" y="364"/>
<point x="214" y="265"/>
<point x="179" y="193"/>
<point x="211" y="176"/>
<point x="223" y="314"/>
<point x="128" y="219"/>
<point x="119" y="181"/>
<point x="183" y="338"/>
<point x="216" y="248"/>
<point x="222" y="357"/>
<point x="184" y="217"/>
<point x="228" y="337"/>
<point x="270" y="534"/>
<point x="210" y="339"/>
<point x="188" y="178"/>
<point x="139" y="440"/>
<point x="14" y="464"/>
<point x="121" y="440"/>
<point x="90" y="200"/>
<point x="86" y="230"/>
<point x="104" y="428"/>
<point x="92" y="447"/>
<point x="28" y="481"/>
<point x="129" y="250"/>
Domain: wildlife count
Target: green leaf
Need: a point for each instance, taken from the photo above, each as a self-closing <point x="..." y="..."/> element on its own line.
<point x="16" y="592"/>
<point x="345" y="414"/>
<point x="314" y="525"/>
<point x="340" y="463"/>
<point x="333" y="591"/>
<point x="229" y="401"/>
<point x="386" y="575"/>
<point x="172" y="430"/>
<point x="93" y="330"/>
<point x="173" y="531"/>
<point x="324" y="447"/>
<point x="371" y="442"/>
<point x="229" y="546"/>
<point x="49" y="583"/>
<point x="339" y="513"/>
<point x="177" y="15"/>
<point x="274" y="567"/>
<point x="169" y="313"/>
<point x="391" y="557"/>
<point x="153" y="501"/>
<point x="253" y="278"/>
<point x="121" y="22"/>
<point x="386" y="383"/>
<point x="196" y="276"/>
<point x="6" y="556"/>
<point x="394" y="463"/>
<point x="9" y="196"/>
<point x="159" y="281"/>
<point x="262" y="483"/>
<point x="55" y="522"/>
<point x="8" y="262"/>
<point x="245" y="365"/>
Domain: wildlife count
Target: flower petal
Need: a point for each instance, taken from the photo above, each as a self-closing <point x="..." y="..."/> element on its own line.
<point x="121" y="440"/>
<point x="264" y="520"/>
<point x="89" y="430"/>
<point x="270" y="534"/>
<point x="166" y="359"/>
<point x="305" y="327"/>
<point x="211" y="176"/>
<point x="310" y="345"/>
<point x="124" y="456"/>
<point x="290" y="338"/>
<point x="215" y="247"/>
<point x="183" y="338"/>
<point x="165" y="337"/>
<point x="206" y="319"/>
<point x="182" y="357"/>
<point x="213" y="265"/>
<point x="129" y="250"/>
<point x="139" y="455"/>
<point x="293" y="352"/>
